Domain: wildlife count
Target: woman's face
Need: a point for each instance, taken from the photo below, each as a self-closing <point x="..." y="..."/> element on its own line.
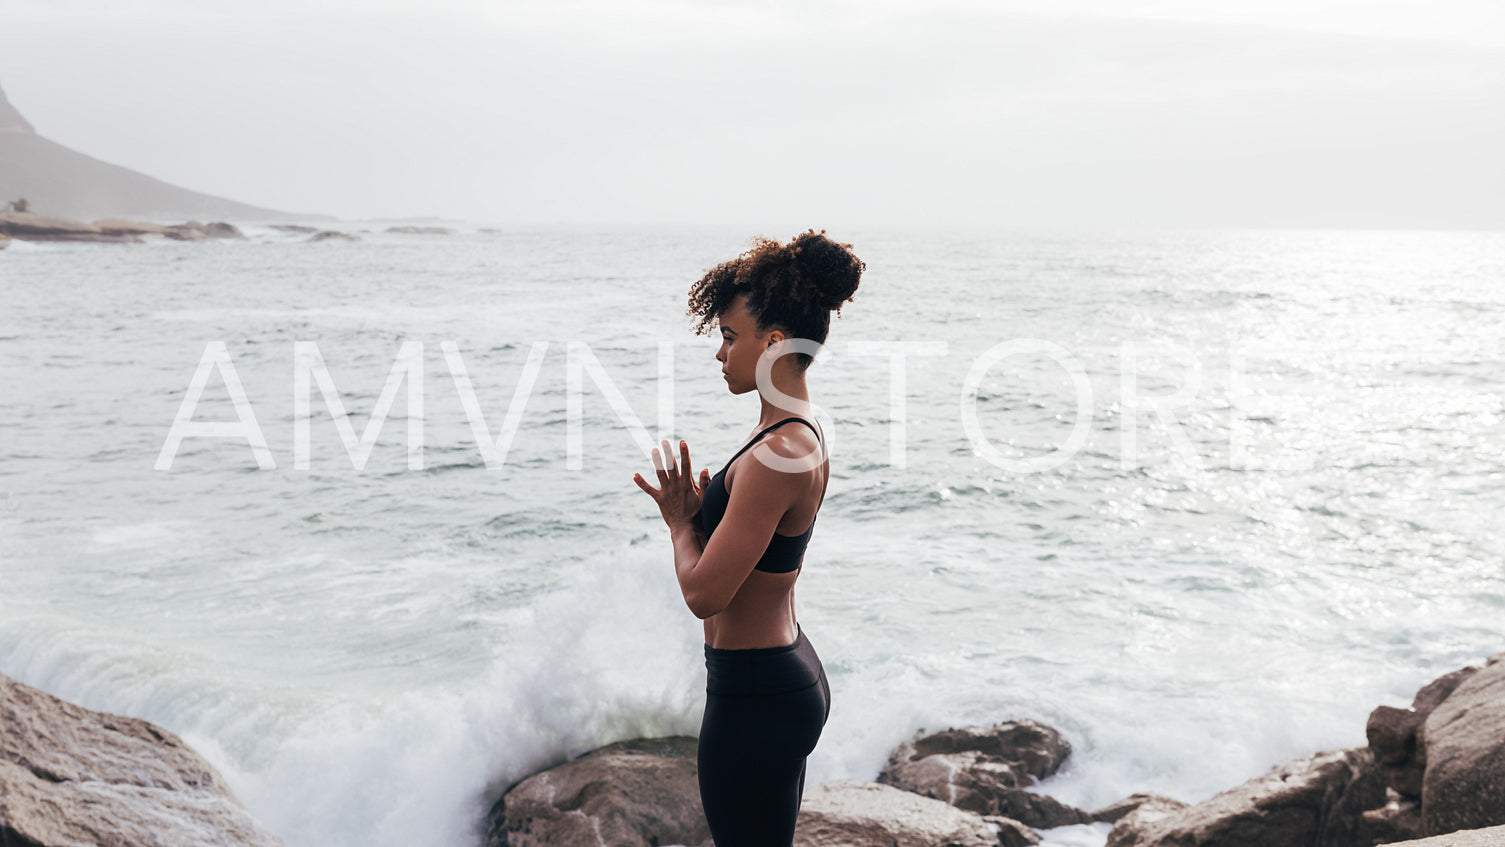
<point x="741" y="345"/>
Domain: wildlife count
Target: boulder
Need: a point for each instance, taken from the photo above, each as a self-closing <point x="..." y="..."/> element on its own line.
<point x="421" y="230"/>
<point x="1313" y="802"/>
<point x="190" y="231"/>
<point x="1154" y="804"/>
<point x="638" y="793"/>
<point x="1492" y="837"/>
<point x="1433" y="693"/>
<point x="297" y="228"/>
<point x="1394" y="734"/>
<point x="220" y="229"/>
<point x="851" y="813"/>
<point x="120" y="226"/>
<point x="30" y="227"/>
<point x="328" y="234"/>
<point x="26" y="226"/>
<point x="985" y="770"/>
<point x="1398" y="820"/>
<point x="1012" y="833"/>
<point x="72" y="776"/>
<point x="1464" y="743"/>
<point x="1143" y="817"/>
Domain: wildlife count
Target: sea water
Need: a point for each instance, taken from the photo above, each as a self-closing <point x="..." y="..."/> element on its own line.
<point x="1200" y="500"/>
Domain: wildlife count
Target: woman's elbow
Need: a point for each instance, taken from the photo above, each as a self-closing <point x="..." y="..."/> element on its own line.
<point x="703" y="606"/>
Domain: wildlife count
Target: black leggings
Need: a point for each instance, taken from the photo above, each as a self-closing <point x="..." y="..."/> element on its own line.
<point x="764" y="710"/>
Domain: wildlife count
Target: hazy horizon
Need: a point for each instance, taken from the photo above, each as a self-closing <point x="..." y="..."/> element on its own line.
<point x="837" y="115"/>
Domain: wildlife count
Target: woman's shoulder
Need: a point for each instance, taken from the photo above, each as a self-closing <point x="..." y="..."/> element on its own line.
<point x="790" y="449"/>
<point x="795" y="438"/>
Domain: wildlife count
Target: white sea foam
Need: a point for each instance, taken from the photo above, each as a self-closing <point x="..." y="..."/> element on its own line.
<point x="1077" y="835"/>
<point x="611" y="655"/>
<point x="137" y="535"/>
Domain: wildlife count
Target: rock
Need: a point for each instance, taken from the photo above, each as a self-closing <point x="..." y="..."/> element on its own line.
<point x="1030" y="747"/>
<point x="851" y="813"/>
<point x="1492" y="837"/>
<point x="26" y="226"/>
<point x="1392" y="734"/>
<point x="190" y="231"/>
<point x="630" y="794"/>
<point x="29" y="227"/>
<point x="1039" y="810"/>
<point x="421" y="230"/>
<point x="195" y="231"/>
<point x="120" y="226"/>
<point x="1145" y="816"/>
<point x="326" y="235"/>
<point x="1464" y="743"/>
<point x="220" y="229"/>
<point x="1397" y="820"/>
<point x="72" y="776"/>
<point x="985" y="770"/>
<point x="1012" y="833"/>
<point x="1313" y="802"/>
<point x="1157" y="803"/>
<point x="1392" y="737"/>
<point x="1395" y="734"/>
<point x="293" y="228"/>
<point x="1433" y="693"/>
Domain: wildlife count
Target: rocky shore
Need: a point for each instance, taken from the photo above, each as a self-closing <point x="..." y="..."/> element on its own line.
<point x="72" y="776"/>
<point x="1436" y="768"/>
<point x="1431" y="775"/>
<point x="28" y="226"/>
<point x="1491" y="837"/>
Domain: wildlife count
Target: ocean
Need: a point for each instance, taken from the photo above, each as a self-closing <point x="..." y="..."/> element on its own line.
<point x="1200" y="500"/>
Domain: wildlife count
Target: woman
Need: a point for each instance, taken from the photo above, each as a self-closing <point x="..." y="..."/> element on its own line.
<point x="739" y="536"/>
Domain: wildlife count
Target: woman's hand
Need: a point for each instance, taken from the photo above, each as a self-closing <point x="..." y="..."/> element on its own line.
<point x="678" y="496"/>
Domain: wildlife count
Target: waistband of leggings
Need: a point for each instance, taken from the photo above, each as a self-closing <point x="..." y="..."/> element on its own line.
<point x="750" y="652"/>
<point x="761" y="671"/>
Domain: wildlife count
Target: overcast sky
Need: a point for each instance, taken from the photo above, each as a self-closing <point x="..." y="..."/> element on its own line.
<point x="825" y="113"/>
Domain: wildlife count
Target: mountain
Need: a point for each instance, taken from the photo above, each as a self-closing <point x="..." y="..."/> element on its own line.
<point x="61" y="182"/>
<point x="11" y="120"/>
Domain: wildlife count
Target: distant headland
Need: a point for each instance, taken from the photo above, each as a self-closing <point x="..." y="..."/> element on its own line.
<point x="57" y="181"/>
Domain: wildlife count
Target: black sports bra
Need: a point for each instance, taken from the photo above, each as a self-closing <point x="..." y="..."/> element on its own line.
<point x="785" y="553"/>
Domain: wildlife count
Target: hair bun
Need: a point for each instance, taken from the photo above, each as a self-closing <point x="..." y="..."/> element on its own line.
<point x="827" y="267"/>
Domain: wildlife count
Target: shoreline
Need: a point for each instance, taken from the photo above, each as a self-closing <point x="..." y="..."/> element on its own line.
<point x="1429" y="772"/>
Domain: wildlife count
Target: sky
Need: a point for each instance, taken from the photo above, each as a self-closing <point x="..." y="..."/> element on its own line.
<point x="825" y="113"/>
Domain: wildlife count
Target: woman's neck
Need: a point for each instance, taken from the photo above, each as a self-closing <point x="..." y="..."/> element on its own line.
<point x="795" y="401"/>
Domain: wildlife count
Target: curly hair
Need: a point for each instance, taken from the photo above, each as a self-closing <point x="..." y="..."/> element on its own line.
<point x="793" y="287"/>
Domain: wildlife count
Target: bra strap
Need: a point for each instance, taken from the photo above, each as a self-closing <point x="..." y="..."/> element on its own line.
<point x="771" y="428"/>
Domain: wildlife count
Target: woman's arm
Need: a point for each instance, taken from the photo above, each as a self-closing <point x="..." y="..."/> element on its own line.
<point x="689" y="541"/>
<point x="759" y="500"/>
<point x="679" y="500"/>
<point x="710" y="572"/>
